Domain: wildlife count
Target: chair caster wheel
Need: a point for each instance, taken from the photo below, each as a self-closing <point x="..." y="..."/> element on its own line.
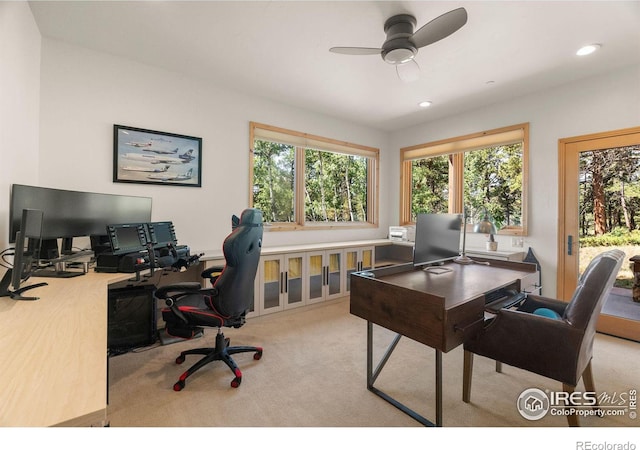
<point x="180" y="359"/>
<point x="236" y="382"/>
<point x="178" y="386"/>
<point x="257" y="355"/>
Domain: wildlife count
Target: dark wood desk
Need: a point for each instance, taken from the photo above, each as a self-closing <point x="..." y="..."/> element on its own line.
<point x="436" y="309"/>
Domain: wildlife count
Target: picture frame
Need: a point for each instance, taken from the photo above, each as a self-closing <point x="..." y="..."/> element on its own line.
<point x="156" y="157"/>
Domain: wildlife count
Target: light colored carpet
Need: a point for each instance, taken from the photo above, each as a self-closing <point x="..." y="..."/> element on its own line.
<point x="313" y="374"/>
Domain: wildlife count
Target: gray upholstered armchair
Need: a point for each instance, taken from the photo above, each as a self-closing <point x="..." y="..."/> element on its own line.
<point x="549" y="337"/>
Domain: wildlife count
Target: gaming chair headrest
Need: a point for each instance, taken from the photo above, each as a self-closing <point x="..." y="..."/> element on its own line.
<point x="251" y="216"/>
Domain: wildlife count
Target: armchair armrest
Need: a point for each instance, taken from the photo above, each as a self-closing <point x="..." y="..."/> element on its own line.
<point x="551" y="347"/>
<point x="212" y="273"/>
<point x="187" y="287"/>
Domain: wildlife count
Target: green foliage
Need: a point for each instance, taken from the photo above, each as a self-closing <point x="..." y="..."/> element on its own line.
<point x="618" y="237"/>
<point x="492" y="183"/>
<point x="430" y="185"/>
<point x="609" y="190"/>
<point x="335" y="184"/>
<point x="273" y="180"/>
<point x="335" y="187"/>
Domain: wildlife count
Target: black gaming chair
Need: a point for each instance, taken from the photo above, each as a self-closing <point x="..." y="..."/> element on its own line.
<point x="225" y="304"/>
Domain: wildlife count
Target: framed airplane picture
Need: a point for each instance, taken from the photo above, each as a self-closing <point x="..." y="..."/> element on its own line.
<point x="156" y="157"/>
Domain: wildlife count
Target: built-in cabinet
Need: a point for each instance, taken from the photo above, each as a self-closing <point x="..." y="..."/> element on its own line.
<point x="294" y="276"/>
<point x="303" y="275"/>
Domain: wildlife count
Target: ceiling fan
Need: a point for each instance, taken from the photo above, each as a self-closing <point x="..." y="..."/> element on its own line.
<point x="402" y="43"/>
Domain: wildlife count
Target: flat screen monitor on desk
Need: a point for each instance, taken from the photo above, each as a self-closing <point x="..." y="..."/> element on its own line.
<point x="161" y="234"/>
<point x="26" y="251"/>
<point x="127" y="238"/>
<point x="437" y="239"/>
<point x="71" y="214"/>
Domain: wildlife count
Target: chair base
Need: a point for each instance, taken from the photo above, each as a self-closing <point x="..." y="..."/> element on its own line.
<point x="221" y="352"/>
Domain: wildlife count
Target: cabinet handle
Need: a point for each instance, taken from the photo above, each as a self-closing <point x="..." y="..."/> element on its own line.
<point x="286" y="282"/>
<point x="569" y="245"/>
<point x="281" y="283"/>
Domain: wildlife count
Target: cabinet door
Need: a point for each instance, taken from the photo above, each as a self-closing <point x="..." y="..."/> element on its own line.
<point x="294" y="285"/>
<point x="335" y="276"/>
<point x="356" y="260"/>
<point x="325" y="275"/>
<point x="315" y="277"/>
<point x="271" y="284"/>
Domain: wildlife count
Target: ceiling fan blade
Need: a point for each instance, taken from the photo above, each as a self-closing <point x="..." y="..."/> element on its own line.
<point x="440" y="27"/>
<point x="409" y="71"/>
<point x="356" y="50"/>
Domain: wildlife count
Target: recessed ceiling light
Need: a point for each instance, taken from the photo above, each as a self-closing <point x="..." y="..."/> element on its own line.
<point x="424" y="104"/>
<point x="588" y="49"/>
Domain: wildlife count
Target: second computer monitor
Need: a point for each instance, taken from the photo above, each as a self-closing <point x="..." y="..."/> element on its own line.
<point x="437" y="238"/>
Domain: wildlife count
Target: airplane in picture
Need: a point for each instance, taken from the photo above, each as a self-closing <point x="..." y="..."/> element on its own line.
<point x="139" y="144"/>
<point x="161" y="152"/>
<point x="173" y="177"/>
<point x="145" y="169"/>
<point x="188" y="156"/>
<point x="153" y="159"/>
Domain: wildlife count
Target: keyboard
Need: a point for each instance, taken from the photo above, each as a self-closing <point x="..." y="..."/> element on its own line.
<point x="503" y="298"/>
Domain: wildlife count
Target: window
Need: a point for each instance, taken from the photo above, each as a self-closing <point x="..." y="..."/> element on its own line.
<point x="484" y="172"/>
<point x="299" y="180"/>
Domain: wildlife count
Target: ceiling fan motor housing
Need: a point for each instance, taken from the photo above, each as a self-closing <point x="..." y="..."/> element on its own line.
<point x="398" y="48"/>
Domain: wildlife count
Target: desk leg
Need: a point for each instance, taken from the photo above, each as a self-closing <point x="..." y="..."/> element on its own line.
<point x="373" y="375"/>
<point x="438" y="388"/>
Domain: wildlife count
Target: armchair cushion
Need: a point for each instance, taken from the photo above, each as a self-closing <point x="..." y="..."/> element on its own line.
<point x="546" y="312"/>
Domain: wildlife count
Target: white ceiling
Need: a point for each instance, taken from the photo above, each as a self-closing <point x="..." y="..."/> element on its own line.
<point x="280" y="49"/>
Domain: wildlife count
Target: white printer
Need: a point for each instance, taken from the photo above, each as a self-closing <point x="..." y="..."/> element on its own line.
<point x="406" y="233"/>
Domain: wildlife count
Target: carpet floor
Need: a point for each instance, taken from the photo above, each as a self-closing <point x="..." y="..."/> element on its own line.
<point x="313" y="374"/>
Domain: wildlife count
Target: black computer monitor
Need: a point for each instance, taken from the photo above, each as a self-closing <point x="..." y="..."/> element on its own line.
<point x="437" y="239"/>
<point x="27" y="247"/>
<point x="69" y="214"/>
<point x="161" y="234"/>
<point x="127" y="238"/>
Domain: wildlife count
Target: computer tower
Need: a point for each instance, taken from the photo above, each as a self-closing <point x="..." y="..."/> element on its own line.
<point x="131" y="318"/>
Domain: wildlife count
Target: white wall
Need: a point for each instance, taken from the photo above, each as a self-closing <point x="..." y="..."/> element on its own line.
<point x="19" y="104"/>
<point x="84" y="93"/>
<point x="593" y="105"/>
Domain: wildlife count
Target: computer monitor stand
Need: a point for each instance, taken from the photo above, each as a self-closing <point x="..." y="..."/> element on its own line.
<point x="52" y="272"/>
<point x="5" y="291"/>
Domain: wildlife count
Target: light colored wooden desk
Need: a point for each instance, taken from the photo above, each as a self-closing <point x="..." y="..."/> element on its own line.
<point x="53" y="353"/>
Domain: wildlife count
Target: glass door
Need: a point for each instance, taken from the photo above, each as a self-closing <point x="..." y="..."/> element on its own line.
<point x="600" y="209"/>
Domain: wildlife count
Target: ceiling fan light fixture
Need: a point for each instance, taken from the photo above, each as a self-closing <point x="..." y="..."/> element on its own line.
<point x="399" y="55"/>
<point x="588" y="49"/>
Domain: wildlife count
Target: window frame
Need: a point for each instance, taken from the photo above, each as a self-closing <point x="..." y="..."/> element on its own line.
<point x="455" y="148"/>
<point x="302" y="141"/>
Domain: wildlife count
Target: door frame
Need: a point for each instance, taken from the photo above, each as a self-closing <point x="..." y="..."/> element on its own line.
<point x="569" y="150"/>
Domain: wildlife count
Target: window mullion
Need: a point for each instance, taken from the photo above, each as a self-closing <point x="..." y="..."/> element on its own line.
<point x="300" y="177"/>
<point x="456" y="183"/>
